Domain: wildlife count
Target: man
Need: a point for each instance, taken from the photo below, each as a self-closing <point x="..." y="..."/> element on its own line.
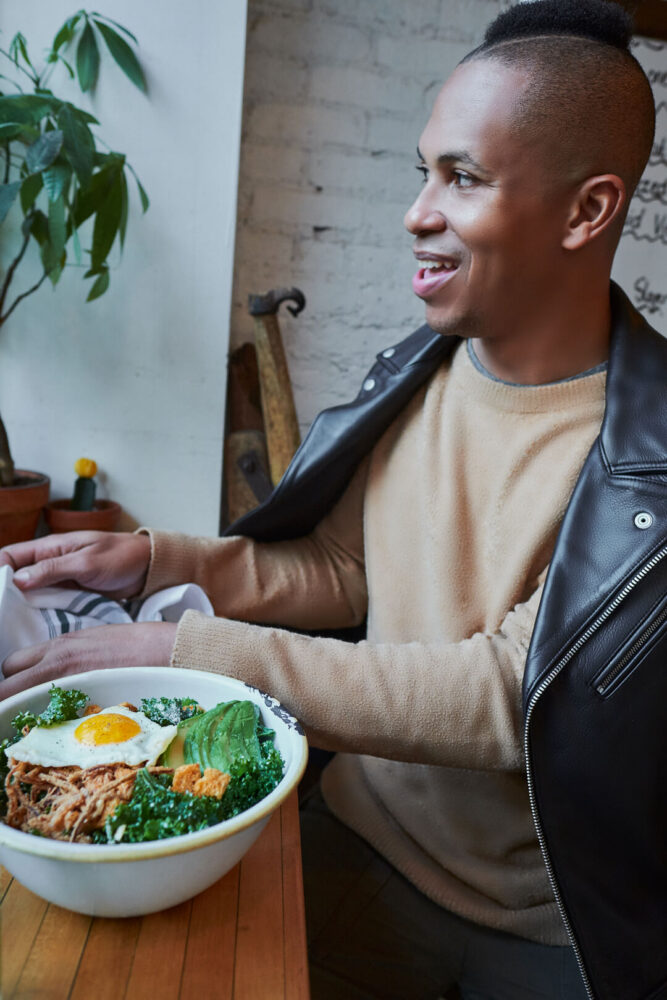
<point x="434" y="505"/>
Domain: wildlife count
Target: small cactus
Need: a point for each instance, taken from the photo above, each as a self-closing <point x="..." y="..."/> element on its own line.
<point x="84" y="487"/>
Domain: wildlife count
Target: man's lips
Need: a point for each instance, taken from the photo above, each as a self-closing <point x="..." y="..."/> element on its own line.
<point x="433" y="273"/>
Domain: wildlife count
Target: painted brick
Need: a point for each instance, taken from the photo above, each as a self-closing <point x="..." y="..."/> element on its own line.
<point x="306" y="125"/>
<point x="306" y="37"/>
<point x="397" y="15"/>
<point x="363" y="175"/>
<point x="387" y="133"/>
<point x="364" y="88"/>
<point x="469" y="20"/>
<point x="431" y="57"/>
<point x="303" y="208"/>
<point x="264" y="161"/>
<point x="288" y="78"/>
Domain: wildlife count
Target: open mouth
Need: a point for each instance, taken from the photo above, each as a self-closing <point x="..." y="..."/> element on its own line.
<point x="432" y="275"/>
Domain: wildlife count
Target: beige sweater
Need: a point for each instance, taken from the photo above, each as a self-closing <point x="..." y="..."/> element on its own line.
<point x="443" y="537"/>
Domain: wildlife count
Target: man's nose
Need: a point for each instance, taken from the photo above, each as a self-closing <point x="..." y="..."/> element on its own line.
<point x="423" y="217"/>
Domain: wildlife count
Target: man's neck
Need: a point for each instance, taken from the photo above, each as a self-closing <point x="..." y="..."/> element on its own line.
<point x="565" y="345"/>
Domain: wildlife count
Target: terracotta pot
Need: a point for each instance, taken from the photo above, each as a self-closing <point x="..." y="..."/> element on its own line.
<point x="103" y="517"/>
<point x="20" y="506"/>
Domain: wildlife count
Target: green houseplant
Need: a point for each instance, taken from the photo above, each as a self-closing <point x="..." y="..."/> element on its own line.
<point x="67" y="188"/>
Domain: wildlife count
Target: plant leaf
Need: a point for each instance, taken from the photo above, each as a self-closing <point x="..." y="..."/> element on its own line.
<point x="95" y="13"/>
<point x="91" y="199"/>
<point x="78" y="143"/>
<point x="30" y="188"/>
<point x="56" y="178"/>
<point x="66" y="65"/>
<point x="25" y="108"/>
<point x="18" y="46"/>
<point x="57" y="231"/>
<point x="10" y="130"/>
<point x="122" y="229"/>
<point x="39" y="227"/>
<point x="76" y="246"/>
<point x="107" y="221"/>
<point x="8" y="193"/>
<point x="123" y="55"/>
<point x="53" y="265"/>
<point x="66" y="33"/>
<point x="87" y="59"/>
<point x="99" y="286"/>
<point x="142" y="194"/>
<point x="42" y="153"/>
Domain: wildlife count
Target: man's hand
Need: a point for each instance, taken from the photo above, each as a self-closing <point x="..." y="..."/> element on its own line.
<point x="112" y="563"/>
<point x="98" y="648"/>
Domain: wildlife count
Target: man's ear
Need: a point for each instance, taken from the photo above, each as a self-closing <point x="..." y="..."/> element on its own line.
<point x="597" y="205"/>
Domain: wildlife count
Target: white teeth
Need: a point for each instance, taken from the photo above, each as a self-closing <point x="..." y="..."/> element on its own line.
<point x="434" y="265"/>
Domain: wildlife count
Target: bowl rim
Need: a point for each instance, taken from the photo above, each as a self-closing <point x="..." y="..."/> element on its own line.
<point x="43" y="847"/>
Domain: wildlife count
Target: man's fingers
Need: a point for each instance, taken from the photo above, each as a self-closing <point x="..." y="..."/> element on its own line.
<point x="91" y="649"/>
<point x="49" y="570"/>
<point x="45" y="670"/>
<point x="23" y="659"/>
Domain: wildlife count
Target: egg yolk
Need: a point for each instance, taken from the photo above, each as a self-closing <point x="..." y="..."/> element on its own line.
<point x="107" y="728"/>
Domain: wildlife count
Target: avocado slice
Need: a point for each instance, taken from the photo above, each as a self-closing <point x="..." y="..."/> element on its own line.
<point x="174" y="755"/>
<point x="220" y="736"/>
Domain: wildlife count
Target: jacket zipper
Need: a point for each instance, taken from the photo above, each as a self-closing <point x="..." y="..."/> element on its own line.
<point x="539" y="691"/>
<point x="605" y="681"/>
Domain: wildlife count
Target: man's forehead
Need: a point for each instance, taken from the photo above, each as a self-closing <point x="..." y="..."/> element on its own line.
<point x="474" y="108"/>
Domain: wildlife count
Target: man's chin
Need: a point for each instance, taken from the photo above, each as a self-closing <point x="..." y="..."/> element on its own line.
<point x="448" y="323"/>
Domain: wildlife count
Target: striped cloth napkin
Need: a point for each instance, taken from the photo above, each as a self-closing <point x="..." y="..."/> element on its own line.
<point x="29" y="618"/>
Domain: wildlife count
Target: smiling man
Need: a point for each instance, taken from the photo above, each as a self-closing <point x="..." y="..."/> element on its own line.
<point x="493" y="504"/>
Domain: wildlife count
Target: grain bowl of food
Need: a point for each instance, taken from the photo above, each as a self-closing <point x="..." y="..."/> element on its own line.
<point x="127" y="791"/>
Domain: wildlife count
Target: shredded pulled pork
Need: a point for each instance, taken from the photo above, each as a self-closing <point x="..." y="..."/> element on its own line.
<point x="67" y="803"/>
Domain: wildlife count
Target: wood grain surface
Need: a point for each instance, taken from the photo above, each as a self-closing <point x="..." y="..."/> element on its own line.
<point x="242" y="939"/>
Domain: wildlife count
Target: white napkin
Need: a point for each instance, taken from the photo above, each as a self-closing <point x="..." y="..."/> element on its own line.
<point x="31" y="617"/>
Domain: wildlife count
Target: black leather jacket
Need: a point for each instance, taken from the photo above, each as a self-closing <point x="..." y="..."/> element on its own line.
<point x="595" y="683"/>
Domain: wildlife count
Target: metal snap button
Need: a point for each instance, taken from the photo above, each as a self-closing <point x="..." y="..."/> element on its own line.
<point x="643" y="520"/>
<point x="389" y="353"/>
<point x="369" y="384"/>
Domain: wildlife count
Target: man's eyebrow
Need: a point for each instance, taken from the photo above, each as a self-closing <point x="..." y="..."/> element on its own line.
<point x="445" y="159"/>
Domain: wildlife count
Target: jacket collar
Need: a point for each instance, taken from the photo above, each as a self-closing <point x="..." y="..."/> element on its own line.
<point x="634" y="429"/>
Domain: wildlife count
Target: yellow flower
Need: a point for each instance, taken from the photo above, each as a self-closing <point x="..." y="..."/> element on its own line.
<point x="85" y="468"/>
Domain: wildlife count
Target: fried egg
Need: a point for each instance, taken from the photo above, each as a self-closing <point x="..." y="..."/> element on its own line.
<point x="114" y="735"/>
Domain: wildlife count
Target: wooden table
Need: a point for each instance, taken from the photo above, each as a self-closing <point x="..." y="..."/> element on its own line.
<point x="244" y="938"/>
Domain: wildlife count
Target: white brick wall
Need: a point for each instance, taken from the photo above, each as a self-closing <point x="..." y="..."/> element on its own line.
<point x="336" y="95"/>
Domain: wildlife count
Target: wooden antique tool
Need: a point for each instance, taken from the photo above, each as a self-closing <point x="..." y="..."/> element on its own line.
<point x="280" y="423"/>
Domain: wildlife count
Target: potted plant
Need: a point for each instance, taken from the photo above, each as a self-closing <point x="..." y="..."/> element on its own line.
<point x="61" y="177"/>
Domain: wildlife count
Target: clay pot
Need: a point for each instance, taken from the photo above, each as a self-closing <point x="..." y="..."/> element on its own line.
<point x="103" y="517"/>
<point x="20" y="506"/>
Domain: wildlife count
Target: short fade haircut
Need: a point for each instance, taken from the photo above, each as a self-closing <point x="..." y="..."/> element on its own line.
<point x="589" y="105"/>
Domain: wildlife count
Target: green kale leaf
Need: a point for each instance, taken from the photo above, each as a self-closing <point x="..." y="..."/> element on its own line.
<point x="170" y="711"/>
<point x="155" y="811"/>
<point x="252" y="781"/>
<point x="63" y="706"/>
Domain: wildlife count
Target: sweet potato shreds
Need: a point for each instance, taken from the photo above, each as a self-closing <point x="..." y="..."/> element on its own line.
<point x="67" y="803"/>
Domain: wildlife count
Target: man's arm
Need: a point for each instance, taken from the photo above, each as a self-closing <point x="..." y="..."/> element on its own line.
<point x="453" y="704"/>
<point x="314" y="582"/>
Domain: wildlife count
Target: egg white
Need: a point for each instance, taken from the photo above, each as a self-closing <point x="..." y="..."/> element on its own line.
<point x="56" y="746"/>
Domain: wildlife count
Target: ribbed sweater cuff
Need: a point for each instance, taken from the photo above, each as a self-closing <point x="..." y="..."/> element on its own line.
<point x="219" y="645"/>
<point x="172" y="560"/>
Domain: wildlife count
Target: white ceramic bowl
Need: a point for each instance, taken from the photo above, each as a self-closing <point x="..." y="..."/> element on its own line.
<point x="123" y="880"/>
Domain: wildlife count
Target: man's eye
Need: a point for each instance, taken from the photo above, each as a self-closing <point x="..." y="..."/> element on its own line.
<point x="462" y="179"/>
<point x="423" y="170"/>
